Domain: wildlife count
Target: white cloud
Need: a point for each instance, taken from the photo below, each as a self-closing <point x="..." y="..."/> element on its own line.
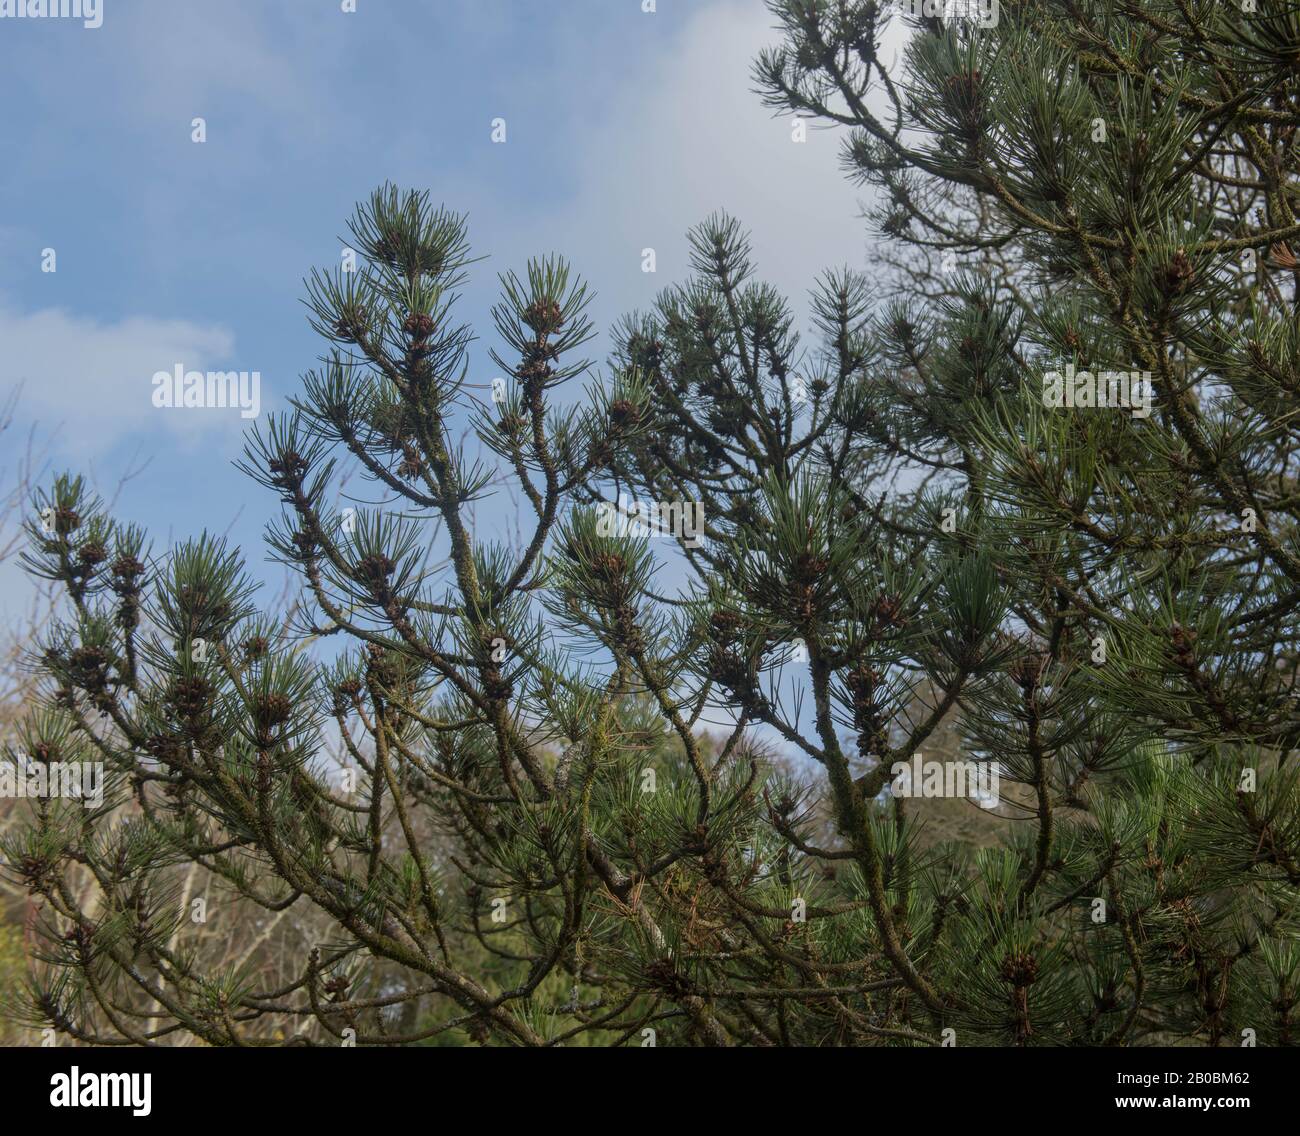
<point x="688" y="136"/>
<point x="90" y="382"/>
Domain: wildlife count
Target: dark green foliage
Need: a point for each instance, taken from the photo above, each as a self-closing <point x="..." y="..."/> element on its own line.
<point x="543" y="844"/>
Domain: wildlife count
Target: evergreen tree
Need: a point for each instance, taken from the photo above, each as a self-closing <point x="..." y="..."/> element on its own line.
<point x="538" y="841"/>
<point x="1106" y="188"/>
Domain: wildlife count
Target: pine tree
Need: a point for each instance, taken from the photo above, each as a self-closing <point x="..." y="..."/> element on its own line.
<point x="1106" y="189"/>
<point x="532" y="838"/>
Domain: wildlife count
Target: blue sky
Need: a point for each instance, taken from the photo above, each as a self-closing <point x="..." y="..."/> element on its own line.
<point x="623" y="129"/>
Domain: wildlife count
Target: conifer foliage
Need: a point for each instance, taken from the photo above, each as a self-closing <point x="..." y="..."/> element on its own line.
<point x="481" y="758"/>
